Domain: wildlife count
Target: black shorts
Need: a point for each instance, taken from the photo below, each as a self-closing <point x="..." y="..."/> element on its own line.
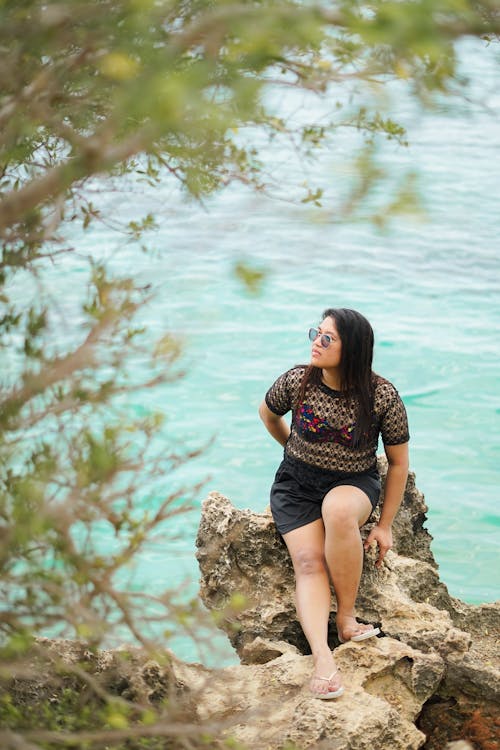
<point x="298" y="492"/>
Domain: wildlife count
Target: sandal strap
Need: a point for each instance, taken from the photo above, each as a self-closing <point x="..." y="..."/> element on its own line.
<point x="327" y="679"/>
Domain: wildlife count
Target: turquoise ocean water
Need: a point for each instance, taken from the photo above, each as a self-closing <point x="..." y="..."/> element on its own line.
<point x="429" y="287"/>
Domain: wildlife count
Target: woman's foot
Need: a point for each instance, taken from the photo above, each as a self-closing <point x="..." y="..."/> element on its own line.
<point x="349" y="629"/>
<point x="325" y="682"/>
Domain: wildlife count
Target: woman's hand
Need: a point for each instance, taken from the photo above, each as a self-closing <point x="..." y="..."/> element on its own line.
<point x="395" y="482"/>
<point x="381" y="536"/>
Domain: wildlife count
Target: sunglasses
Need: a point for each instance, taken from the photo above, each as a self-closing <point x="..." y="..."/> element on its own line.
<point x="325" y="339"/>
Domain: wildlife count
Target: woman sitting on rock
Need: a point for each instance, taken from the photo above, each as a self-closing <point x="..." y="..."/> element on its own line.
<point x="327" y="485"/>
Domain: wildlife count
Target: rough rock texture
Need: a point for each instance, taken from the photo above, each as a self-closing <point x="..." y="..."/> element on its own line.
<point x="431" y="681"/>
<point x="126" y="672"/>
<point x="264" y="706"/>
<point x="240" y="552"/>
<point x="270" y="704"/>
<point x="451" y="677"/>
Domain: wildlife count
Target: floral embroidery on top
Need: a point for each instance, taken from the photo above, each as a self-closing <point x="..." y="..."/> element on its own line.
<point x="315" y="429"/>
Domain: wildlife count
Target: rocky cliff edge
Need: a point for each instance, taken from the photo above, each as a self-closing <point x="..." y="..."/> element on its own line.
<point x="431" y="680"/>
<point x="431" y="677"/>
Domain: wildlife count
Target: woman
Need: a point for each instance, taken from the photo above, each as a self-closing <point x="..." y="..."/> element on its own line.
<point x="327" y="485"/>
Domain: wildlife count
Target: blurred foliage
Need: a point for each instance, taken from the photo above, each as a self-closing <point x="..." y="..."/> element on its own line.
<point x="142" y="91"/>
<point x="86" y="87"/>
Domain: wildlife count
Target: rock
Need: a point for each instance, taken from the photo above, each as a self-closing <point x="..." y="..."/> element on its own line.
<point x="128" y="672"/>
<point x="431" y="678"/>
<point x="270" y="704"/>
<point x="449" y="675"/>
<point x="240" y="553"/>
<point x="260" y="651"/>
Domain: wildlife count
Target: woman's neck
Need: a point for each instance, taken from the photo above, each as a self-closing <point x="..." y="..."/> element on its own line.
<point x="332" y="379"/>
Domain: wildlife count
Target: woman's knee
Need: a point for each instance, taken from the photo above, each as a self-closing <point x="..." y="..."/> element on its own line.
<point x="339" y="515"/>
<point x="345" y="508"/>
<point x="307" y="561"/>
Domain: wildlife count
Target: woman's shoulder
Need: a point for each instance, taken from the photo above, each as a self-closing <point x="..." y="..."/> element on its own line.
<point x="291" y="377"/>
<point x="295" y="375"/>
<point x="296" y="372"/>
<point x="383" y="389"/>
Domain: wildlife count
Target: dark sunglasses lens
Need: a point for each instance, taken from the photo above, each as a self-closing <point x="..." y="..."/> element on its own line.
<point x="325" y="341"/>
<point x="312" y="334"/>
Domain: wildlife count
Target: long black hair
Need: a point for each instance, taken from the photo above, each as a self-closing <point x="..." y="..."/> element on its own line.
<point x="356" y="375"/>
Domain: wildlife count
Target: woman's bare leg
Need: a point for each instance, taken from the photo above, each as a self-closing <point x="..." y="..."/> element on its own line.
<point x="306" y="546"/>
<point x="345" y="509"/>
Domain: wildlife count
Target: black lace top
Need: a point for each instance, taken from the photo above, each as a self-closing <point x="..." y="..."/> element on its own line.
<point x="322" y="425"/>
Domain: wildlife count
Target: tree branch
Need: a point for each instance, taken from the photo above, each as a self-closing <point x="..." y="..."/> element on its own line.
<point x="62" y="368"/>
<point x="14" y="741"/>
<point x="96" y="156"/>
<point x="167" y="728"/>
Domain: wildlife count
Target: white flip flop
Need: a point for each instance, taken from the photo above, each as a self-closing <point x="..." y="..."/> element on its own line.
<point x="362" y="636"/>
<point x="333" y="693"/>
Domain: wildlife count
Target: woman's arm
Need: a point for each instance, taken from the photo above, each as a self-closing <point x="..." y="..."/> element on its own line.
<point x="275" y="425"/>
<point x="395" y="483"/>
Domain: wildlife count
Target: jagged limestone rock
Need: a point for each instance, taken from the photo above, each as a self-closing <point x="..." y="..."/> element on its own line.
<point x="432" y="677"/>
<point x="241" y="555"/>
<point x="270" y="704"/>
<point x="240" y="552"/>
